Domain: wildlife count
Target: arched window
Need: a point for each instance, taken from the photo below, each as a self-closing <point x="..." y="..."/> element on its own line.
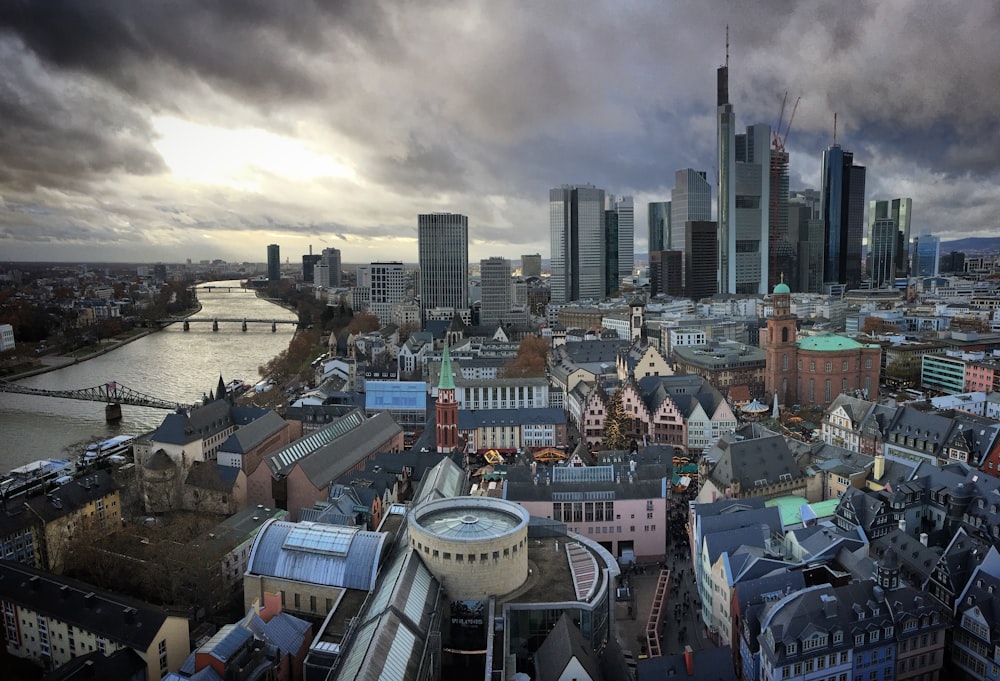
<point x="784" y="361"/>
<point x="784" y="334"/>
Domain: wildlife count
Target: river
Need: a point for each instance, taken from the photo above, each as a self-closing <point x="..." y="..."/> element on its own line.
<point x="172" y="364"/>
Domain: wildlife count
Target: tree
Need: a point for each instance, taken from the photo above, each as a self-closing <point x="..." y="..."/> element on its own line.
<point x="615" y="423"/>
<point x="363" y="322"/>
<point x="532" y="354"/>
<point x="905" y="372"/>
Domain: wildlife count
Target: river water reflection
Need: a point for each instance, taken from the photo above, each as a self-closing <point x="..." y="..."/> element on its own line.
<point x="172" y="365"/>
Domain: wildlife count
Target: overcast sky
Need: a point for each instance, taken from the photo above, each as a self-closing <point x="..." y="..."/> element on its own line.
<point x="133" y="130"/>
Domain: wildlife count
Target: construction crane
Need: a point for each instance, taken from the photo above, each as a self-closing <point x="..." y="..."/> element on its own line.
<point x="779" y="169"/>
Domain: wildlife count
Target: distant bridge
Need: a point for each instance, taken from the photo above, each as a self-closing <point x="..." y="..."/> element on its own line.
<point x="214" y="321"/>
<point x="227" y="289"/>
<point x="113" y="394"/>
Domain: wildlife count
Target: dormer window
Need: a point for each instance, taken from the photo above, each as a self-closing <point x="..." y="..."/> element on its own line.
<point x="792" y="648"/>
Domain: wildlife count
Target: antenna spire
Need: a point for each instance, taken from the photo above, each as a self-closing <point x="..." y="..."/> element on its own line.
<point x="727" y="46"/>
<point x="835" y="127"/>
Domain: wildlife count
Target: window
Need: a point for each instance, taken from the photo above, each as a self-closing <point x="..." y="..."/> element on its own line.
<point x="868" y="363"/>
<point x="829" y="367"/>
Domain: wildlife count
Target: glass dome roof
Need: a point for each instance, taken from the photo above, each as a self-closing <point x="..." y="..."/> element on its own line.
<point x="464" y="522"/>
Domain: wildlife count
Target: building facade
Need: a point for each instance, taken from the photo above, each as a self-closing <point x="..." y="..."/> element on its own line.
<point x="384" y="287"/>
<point x="496" y="291"/>
<point x="898" y="212"/>
<point x="659" y="216"/>
<point x="443" y="244"/>
<point x="273" y="262"/>
<point x="842" y="209"/>
<point x="577" y="234"/>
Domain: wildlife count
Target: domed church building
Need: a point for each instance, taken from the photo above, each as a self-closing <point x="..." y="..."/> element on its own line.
<point x="815" y="369"/>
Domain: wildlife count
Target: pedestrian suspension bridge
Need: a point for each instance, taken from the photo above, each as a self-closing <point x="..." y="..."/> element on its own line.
<point x="113" y="394"/>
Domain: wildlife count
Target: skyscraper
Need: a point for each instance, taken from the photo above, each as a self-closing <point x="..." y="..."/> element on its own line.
<point x="691" y="201"/>
<point x="309" y="262"/>
<point x="624" y="208"/>
<point x="659" y="225"/>
<point x="882" y="253"/>
<point x="273" y="262"/>
<point x="806" y="230"/>
<point x="842" y="208"/>
<point x="702" y="252"/>
<point x="531" y="265"/>
<point x="495" y="285"/>
<point x="744" y="188"/>
<point x="665" y="273"/>
<point x="899" y="211"/>
<point x="443" y="244"/>
<point x="782" y="258"/>
<point x="611" y="264"/>
<point x="328" y="269"/>
<point x="926" y="255"/>
<point x="576" y="231"/>
<point x="385" y="286"/>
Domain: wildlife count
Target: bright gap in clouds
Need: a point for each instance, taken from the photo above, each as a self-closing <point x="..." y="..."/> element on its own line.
<point x="237" y="158"/>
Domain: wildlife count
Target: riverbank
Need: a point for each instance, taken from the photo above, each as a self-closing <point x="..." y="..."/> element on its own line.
<point x="54" y="362"/>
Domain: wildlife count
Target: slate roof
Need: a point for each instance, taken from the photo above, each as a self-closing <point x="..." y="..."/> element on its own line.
<point x="563" y="644"/>
<point x="212" y="476"/>
<point x="469" y="419"/>
<point x="72" y="496"/>
<point x="284" y="630"/>
<point x="184" y="426"/>
<point x="713" y="663"/>
<point x="251" y="435"/>
<point x="124" y="663"/>
<point x="324" y="559"/>
<point x="912" y="556"/>
<point x="686" y="391"/>
<point x="125" y="621"/>
<point x="649" y="481"/>
<point x="763" y="456"/>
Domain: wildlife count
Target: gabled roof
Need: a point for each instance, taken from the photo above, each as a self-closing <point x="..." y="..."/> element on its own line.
<point x="251" y="435"/>
<point x="563" y="644"/>
<point x="72" y="496"/>
<point x="212" y="476"/>
<point x="749" y="458"/>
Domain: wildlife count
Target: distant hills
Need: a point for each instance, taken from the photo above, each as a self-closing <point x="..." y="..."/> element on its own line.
<point x="979" y="245"/>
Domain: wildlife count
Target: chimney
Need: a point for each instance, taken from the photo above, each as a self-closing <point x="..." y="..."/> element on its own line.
<point x="923" y="538"/>
<point x="689" y="660"/>
<point x="879" y="467"/>
<point x="902" y="524"/>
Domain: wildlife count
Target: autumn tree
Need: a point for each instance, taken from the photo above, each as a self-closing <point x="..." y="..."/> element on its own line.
<point x="363" y="322"/>
<point x="532" y="354"/>
<point x="616" y="434"/>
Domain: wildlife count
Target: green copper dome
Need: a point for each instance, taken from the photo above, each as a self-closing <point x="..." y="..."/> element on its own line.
<point x="782" y="287"/>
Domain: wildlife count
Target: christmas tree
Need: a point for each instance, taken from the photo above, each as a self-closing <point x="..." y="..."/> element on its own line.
<point x="615" y="426"/>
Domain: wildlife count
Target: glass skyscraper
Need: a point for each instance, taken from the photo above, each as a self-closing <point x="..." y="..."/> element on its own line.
<point x="926" y="255"/>
<point x="842" y="209"/>
<point x="882" y="253"/>
<point x="624" y="208"/>
<point x="690" y="201"/>
<point x="659" y="226"/>
<point x="273" y="262"/>
<point x="443" y="244"/>
<point x="899" y="211"/>
<point x="577" y="236"/>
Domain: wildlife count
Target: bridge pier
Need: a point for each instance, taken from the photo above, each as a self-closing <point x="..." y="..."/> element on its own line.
<point x="113" y="413"/>
<point x="187" y="325"/>
<point x="274" y="327"/>
<point x="215" y="325"/>
<point x="244" y="325"/>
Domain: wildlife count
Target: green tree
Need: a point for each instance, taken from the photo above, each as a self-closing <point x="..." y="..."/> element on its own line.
<point x="615" y="423"/>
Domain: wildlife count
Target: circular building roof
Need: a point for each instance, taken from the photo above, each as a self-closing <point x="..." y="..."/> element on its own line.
<point x="782" y="287"/>
<point x="470" y="518"/>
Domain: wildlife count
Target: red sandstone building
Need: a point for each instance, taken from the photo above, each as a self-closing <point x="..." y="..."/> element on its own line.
<point x="813" y="370"/>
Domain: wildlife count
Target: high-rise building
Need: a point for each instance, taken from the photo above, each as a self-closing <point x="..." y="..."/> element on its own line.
<point x="665" y="273"/>
<point x="531" y="265"/>
<point x="842" y="208"/>
<point x="953" y="262"/>
<point x="659" y="225"/>
<point x="273" y="262"/>
<point x="611" y="276"/>
<point x="443" y="244"/>
<point x="495" y="286"/>
<point x="806" y="231"/>
<point x="383" y="285"/>
<point x="926" y="255"/>
<point x="899" y="211"/>
<point x="744" y="167"/>
<point x="327" y="272"/>
<point x="308" y="266"/>
<point x="882" y="253"/>
<point x="782" y="263"/>
<point x="691" y="201"/>
<point x="576" y="230"/>
<point x="701" y="252"/>
<point x="624" y="208"/>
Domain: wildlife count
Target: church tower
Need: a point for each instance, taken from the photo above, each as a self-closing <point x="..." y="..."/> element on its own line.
<point x="446" y="407"/>
<point x="637" y="318"/>
<point x="781" y="350"/>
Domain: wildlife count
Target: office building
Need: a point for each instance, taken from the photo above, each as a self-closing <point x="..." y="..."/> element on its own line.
<point x="782" y="263"/>
<point x="665" y="273"/>
<point x="531" y="265"/>
<point x="576" y="230"/>
<point x="495" y="285"/>
<point x="882" y="253"/>
<point x="691" y="201"/>
<point x="309" y="262"/>
<point x="701" y="248"/>
<point x="899" y="212"/>
<point x="624" y="208"/>
<point x="273" y="262"/>
<point x="806" y="229"/>
<point x="383" y="285"/>
<point x="327" y="272"/>
<point x="659" y="225"/>
<point x="744" y="165"/>
<point x="611" y="264"/>
<point x="842" y="208"/>
<point x="926" y="255"/>
<point x="443" y="243"/>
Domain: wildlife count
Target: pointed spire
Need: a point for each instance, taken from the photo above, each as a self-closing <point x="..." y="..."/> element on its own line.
<point x="220" y="390"/>
<point x="446" y="381"/>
